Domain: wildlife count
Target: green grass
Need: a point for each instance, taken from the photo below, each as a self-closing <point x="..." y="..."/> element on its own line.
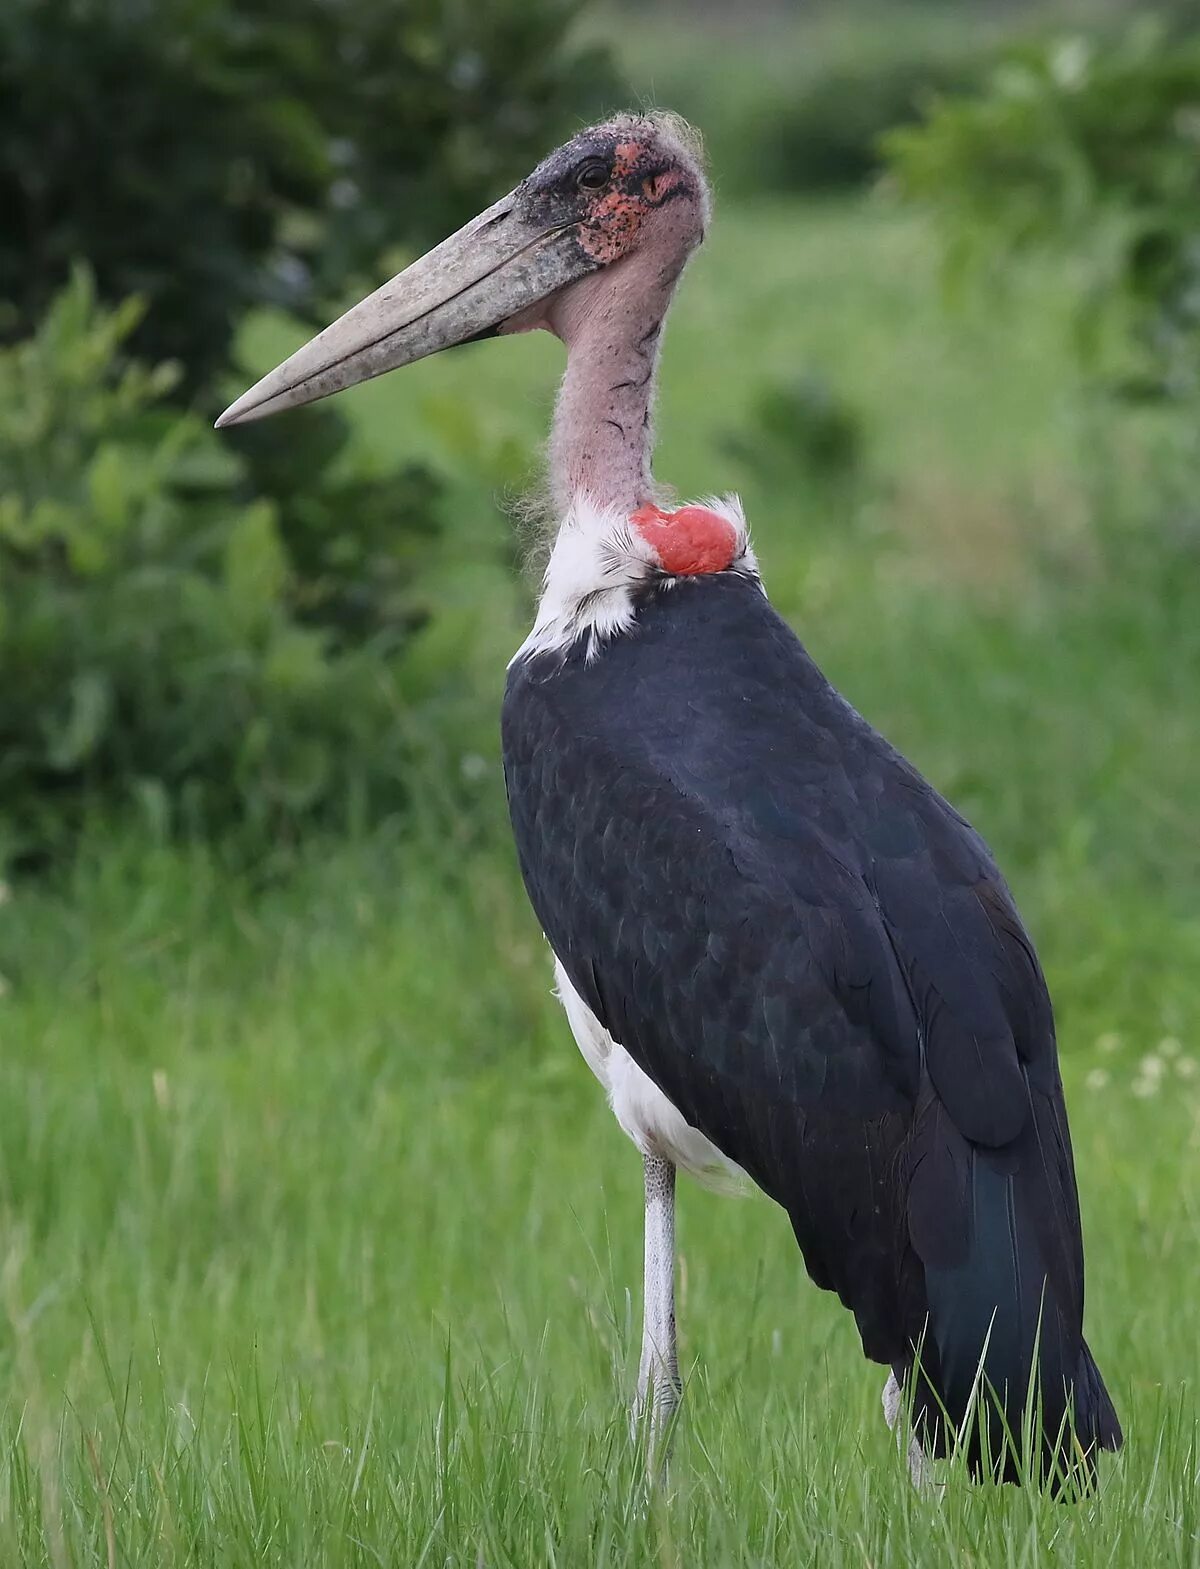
<point x="318" y="1235"/>
<point x="318" y="1243"/>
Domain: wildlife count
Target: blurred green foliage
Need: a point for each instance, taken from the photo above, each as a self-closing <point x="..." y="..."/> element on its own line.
<point x="825" y="135"/>
<point x="806" y="422"/>
<point x="802" y="435"/>
<point x="231" y="630"/>
<point x="798" y="101"/>
<point x="209" y="156"/>
<point x="169" y="637"/>
<point x="1092" y="146"/>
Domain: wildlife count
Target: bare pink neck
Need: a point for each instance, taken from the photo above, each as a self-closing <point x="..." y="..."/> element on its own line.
<point x="602" y="439"/>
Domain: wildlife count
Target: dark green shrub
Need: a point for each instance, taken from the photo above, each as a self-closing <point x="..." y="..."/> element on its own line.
<point x="797" y="99"/>
<point x="232" y="630"/>
<point x="1094" y="148"/>
<point x="207" y="156"/>
<point x="827" y="135"/>
<point x="163" y="639"/>
<point x="800" y="429"/>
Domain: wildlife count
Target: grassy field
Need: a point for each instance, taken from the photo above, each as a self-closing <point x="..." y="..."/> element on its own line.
<point x="319" y="1245"/>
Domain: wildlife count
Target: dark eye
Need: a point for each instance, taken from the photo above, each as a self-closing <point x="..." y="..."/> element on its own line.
<point x="592" y="175"/>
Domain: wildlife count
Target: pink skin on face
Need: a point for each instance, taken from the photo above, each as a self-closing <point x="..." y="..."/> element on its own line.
<point x="688" y="542"/>
<point x="641" y="231"/>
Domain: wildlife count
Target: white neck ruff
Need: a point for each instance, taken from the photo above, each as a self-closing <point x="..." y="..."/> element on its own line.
<point x="598" y="564"/>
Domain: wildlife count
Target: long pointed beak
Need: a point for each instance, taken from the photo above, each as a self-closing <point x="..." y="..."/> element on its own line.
<point x="498" y="265"/>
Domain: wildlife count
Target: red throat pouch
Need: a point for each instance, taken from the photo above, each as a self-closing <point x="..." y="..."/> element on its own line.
<point x="688" y="542"/>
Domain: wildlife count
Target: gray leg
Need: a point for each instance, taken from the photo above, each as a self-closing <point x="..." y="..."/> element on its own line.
<point x="919" y="1468"/>
<point x="658" y="1388"/>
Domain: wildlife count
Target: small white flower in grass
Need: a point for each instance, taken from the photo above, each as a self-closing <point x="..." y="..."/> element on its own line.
<point x="1185" y="1067"/>
<point x="1152" y="1067"/>
<point x="1108" y="1042"/>
<point x="1169" y="1046"/>
<point x="473" y="766"/>
<point x="1143" y="1088"/>
<point x="1097" y="1079"/>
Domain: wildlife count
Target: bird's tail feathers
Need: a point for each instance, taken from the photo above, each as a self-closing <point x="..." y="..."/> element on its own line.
<point x="1001" y="1370"/>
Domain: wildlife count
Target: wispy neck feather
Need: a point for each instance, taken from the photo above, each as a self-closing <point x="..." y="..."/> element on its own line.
<point x="602" y="440"/>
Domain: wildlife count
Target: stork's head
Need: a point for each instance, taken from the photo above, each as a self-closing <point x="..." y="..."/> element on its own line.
<point x="631" y="187"/>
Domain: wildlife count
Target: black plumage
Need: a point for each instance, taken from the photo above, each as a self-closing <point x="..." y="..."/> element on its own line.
<point x="816" y="959"/>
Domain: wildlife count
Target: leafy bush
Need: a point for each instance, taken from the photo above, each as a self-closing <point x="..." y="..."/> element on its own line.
<point x="801" y="429"/>
<point x="1092" y="147"/>
<point x="208" y="156"/>
<point x="798" y="101"/>
<point x="827" y="136"/>
<point x="163" y="635"/>
<point x="227" y="628"/>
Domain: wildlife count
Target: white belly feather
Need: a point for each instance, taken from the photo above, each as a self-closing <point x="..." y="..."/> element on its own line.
<point x="647" y="1116"/>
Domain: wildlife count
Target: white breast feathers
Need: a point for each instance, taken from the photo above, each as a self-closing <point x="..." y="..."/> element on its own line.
<point x="654" y="1124"/>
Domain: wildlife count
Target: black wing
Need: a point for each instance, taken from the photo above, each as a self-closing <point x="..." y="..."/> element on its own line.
<point x="817" y="961"/>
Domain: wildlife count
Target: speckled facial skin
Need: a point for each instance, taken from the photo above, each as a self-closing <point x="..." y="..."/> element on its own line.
<point x="616" y="192"/>
<point x="632" y="197"/>
<point x="640" y="167"/>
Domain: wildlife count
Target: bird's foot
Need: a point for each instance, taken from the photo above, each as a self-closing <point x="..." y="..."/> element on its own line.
<point x="920" y="1467"/>
<point x="653" y="1413"/>
<point x="920" y="1471"/>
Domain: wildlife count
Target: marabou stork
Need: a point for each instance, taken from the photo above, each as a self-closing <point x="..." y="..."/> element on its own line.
<point x="781" y="952"/>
